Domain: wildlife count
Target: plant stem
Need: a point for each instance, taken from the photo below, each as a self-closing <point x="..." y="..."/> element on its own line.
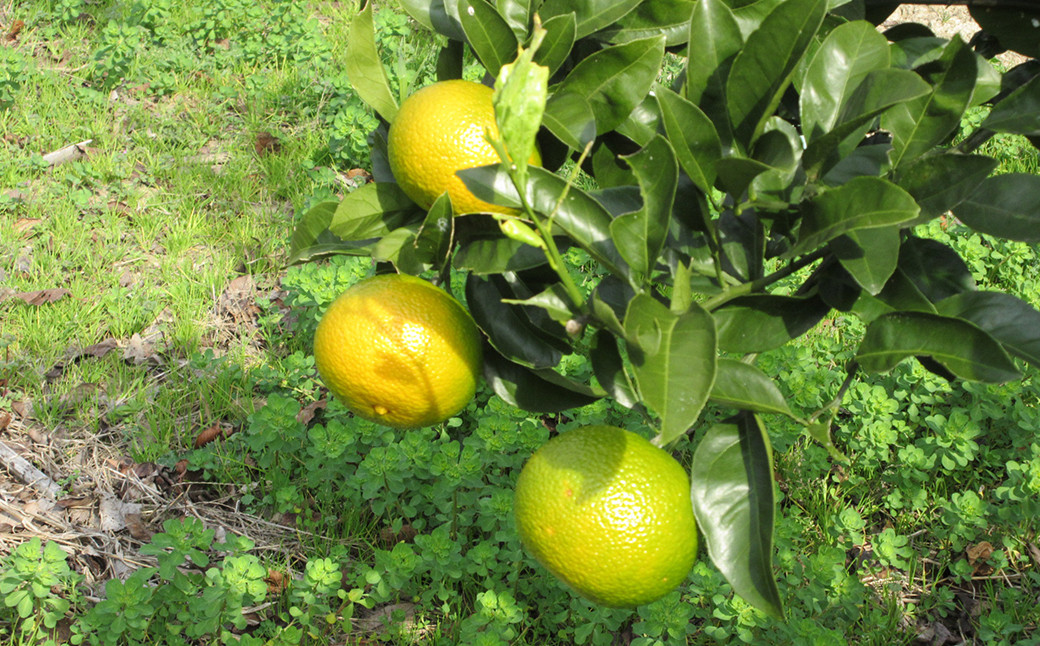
<point x="752" y="286"/>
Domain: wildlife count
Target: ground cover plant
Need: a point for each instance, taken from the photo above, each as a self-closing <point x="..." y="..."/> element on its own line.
<point x="217" y="129"/>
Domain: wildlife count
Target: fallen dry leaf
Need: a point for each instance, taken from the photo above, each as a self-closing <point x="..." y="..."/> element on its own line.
<point x="266" y="143"/>
<point x="40" y="297"/>
<point x="308" y="412"/>
<point x="15" y="29"/>
<point x="26" y="224"/>
<point x="73" y="355"/>
<point x="5" y="420"/>
<point x="277" y="582"/>
<point x="137" y="527"/>
<point x="208" y="435"/>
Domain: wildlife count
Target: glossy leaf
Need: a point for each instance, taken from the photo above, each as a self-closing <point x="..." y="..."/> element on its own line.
<point x="372" y="211"/>
<point x="592" y="15"/>
<point x="488" y="33"/>
<point x="869" y="255"/>
<point x="312" y="225"/>
<point x="957" y="345"/>
<point x="1008" y="319"/>
<point x="939" y="183"/>
<point x="1007" y="206"/>
<point x="560" y="33"/>
<point x="918" y="126"/>
<point x="693" y="137"/>
<point x="764" y="67"/>
<point x="536" y="391"/>
<point x="609" y="368"/>
<point x="734" y="502"/>
<point x="615" y="80"/>
<point x="434" y="239"/>
<point x="640" y="235"/>
<point x="496" y="255"/>
<point x="517" y="14"/>
<point x="570" y="118"/>
<point x="743" y="386"/>
<point x="519" y="99"/>
<point x="419" y="10"/>
<point x="1019" y="113"/>
<point x="862" y="203"/>
<point x="673" y="361"/>
<point x="668" y="17"/>
<point x="842" y="62"/>
<point x="765" y="321"/>
<point x="714" y="41"/>
<point x="508" y="329"/>
<point x="364" y="67"/>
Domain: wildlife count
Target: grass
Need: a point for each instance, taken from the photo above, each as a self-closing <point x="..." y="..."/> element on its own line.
<point x="170" y="237"/>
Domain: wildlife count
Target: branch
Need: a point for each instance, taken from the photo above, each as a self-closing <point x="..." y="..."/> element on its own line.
<point x="26" y="472"/>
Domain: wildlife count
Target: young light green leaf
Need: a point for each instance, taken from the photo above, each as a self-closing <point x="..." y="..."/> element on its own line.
<point x="673" y="361"/>
<point x="488" y="33"/>
<point x="1007" y="206"/>
<point x="957" y="345"/>
<point x="734" y="502"/>
<point x="862" y="203"/>
<point x="519" y="99"/>
<point x="364" y="67"/>
<point x="615" y="80"/>
<point x="639" y="236"/>
<point x="743" y="386"/>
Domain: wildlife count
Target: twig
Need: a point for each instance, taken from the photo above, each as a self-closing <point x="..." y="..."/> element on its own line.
<point x="68" y="153"/>
<point x="27" y="473"/>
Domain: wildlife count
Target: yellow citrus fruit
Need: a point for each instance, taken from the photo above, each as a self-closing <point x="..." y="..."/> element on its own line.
<point x="439" y="130"/>
<point x="399" y="351"/>
<point x="609" y="514"/>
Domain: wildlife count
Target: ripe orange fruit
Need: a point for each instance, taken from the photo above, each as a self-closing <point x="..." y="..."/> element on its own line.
<point x="439" y="130"/>
<point x="399" y="351"/>
<point x="609" y="514"/>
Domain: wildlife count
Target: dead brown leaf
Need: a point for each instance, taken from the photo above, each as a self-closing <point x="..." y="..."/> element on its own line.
<point x="25" y="224"/>
<point x="5" y="420"/>
<point x="208" y="435"/>
<point x="40" y="297"/>
<point x="15" y="29"/>
<point x="277" y="582"/>
<point x="73" y="355"/>
<point x="22" y="408"/>
<point x="266" y="143"/>
<point x="308" y="412"/>
<point x="137" y="527"/>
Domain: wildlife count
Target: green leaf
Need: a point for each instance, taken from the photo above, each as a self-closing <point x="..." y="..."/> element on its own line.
<point x="764" y="67"/>
<point x="862" y="203"/>
<point x="743" y="386"/>
<point x="536" y="391"/>
<point x="1007" y="206"/>
<point x="311" y="226"/>
<point x="592" y="15"/>
<point x="497" y="255"/>
<point x="668" y="17"/>
<point x="488" y="33"/>
<point x="615" y="80"/>
<point x="733" y="500"/>
<point x="419" y="10"/>
<point x="372" y="211"/>
<point x="847" y="55"/>
<point x="609" y="369"/>
<point x="869" y="255"/>
<point x="507" y="327"/>
<point x="640" y="235"/>
<point x="560" y="33"/>
<point x="517" y="13"/>
<point x="519" y="100"/>
<point x="693" y="136"/>
<point x="762" y="322"/>
<point x="934" y="268"/>
<point x="673" y="361"/>
<point x="938" y="183"/>
<point x="364" y="67"/>
<point x="433" y="241"/>
<point x="1015" y="28"/>
<point x="918" y="126"/>
<point x="570" y="118"/>
<point x="1008" y="319"/>
<point x="1019" y="113"/>
<point x="713" y="42"/>
<point x="957" y="345"/>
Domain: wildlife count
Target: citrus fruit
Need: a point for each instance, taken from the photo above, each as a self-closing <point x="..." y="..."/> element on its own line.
<point x="399" y="351"/>
<point x="439" y="130"/>
<point x="609" y="514"/>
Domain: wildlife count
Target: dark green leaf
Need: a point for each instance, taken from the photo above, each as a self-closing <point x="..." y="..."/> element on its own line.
<point x="397" y="247"/>
<point x="433" y="242"/>
<point x="1010" y="320"/>
<point x="642" y="123"/>
<point x="935" y="269"/>
<point x="693" y="136"/>
<point x="673" y="361"/>
<point x="609" y="369"/>
<point x="668" y="17"/>
<point x="743" y="386"/>
<point x="869" y="255"/>
<point x="497" y="255"/>
<point x="536" y="391"/>
<point x="610" y="301"/>
<point x="372" y="211"/>
<point x="764" y="67"/>
<point x="733" y="500"/>
<point x="1015" y="28"/>
<point x="444" y="15"/>
<point x="312" y="224"/>
<point x="839" y="290"/>
<point x="419" y="10"/>
<point x="592" y="15"/>
<point x="1019" y="113"/>
<point x="639" y="236"/>
<point x="714" y="40"/>
<point x="488" y="33"/>
<point x="957" y="345"/>
<point x="569" y="116"/>
<point x="750" y="13"/>
<point x="1007" y="206"/>
<point x="364" y="67"/>
<point x="736" y="172"/>
<point x="507" y="327"/>
<point x="941" y="182"/>
<point x="918" y="126"/>
<point x="848" y="53"/>
<point x="765" y="321"/>
<point x="560" y="34"/>
<point x="616" y="79"/>
<point x="862" y="203"/>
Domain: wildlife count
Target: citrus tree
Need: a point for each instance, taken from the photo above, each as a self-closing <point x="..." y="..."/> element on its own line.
<point x="747" y="167"/>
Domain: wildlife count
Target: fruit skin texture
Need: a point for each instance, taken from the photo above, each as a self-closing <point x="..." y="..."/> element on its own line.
<point x="609" y="514"/>
<point x="399" y="351"/>
<point x="438" y="130"/>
